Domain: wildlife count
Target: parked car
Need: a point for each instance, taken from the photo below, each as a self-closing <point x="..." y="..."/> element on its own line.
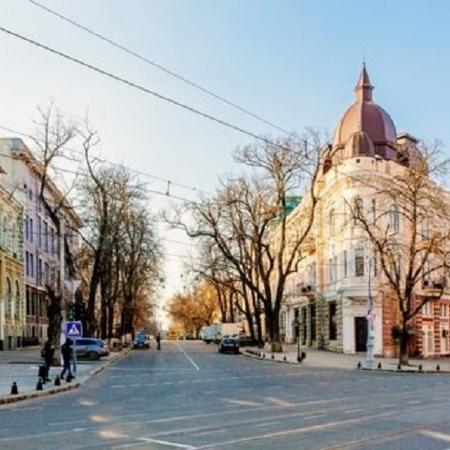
<point x="246" y="341"/>
<point x="229" y="345"/>
<point x="141" y="341"/>
<point x="91" y="348"/>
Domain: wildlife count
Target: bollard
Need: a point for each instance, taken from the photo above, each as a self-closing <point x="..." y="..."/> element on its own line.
<point x="359" y="365"/>
<point x="264" y="355"/>
<point x="40" y="385"/>
<point x="438" y="367"/>
<point x="379" y="366"/>
<point x="273" y="356"/>
<point x="284" y="358"/>
<point x="420" y="367"/>
<point x="57" y="381"/>
<point x="14" y="389"/>
<point x="399" y="367"/>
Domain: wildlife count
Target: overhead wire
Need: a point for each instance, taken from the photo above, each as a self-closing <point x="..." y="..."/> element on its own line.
<point x="158" y="66"/>
<point x="144" y="89"/>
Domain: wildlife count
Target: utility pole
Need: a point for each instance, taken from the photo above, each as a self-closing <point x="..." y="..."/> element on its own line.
<point x="369" y="362"/>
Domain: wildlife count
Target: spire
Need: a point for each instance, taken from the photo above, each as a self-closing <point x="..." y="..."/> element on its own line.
<point x="364" y="88"/>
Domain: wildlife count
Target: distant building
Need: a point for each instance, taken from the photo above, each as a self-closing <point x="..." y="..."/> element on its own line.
<point x="44" y="253"/>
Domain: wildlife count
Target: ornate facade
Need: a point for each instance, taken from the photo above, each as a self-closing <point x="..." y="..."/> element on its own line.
<point x="326" y="300"/>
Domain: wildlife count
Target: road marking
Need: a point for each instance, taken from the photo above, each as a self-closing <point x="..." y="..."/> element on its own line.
<point x="187" y="356"/>
<point x="169" y="443"/>
<point x="204" y="433"/>
<point x="436" y="435"/>
<point x="278" y="401"/>
<point x="266" y="424"/>
<point x="314" y="417"/>
<point x="350" y="411"/>
<point x="412" y="402"/>
<point x="243" y="402"/>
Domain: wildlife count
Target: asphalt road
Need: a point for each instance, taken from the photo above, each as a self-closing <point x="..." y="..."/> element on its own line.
<point x="188" y="396"/>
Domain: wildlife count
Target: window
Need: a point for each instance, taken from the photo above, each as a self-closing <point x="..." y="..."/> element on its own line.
<point x="27" y="233"/>
<point x="52" y="241"/>
<point x="30" y="194"/>
<point x="46" y="274"/>
<point x="39" y="232"/>
<point x="358" y="209"/>
<point x="345" y="264"/>
<point x="27" y="264"/>
<point x="31" y="230"/>
<point x="332" y="222"/>
<point x="8" y="298"/>
<point x="332" y="266"/>
<point x="444" y="310"/>
<point x="359" y="262"/>
<point x="427" y="309"/>
<point x="332" y="321"/>
<point x="312" y="273"/>
<point x="31" y="274"/>
<point x="29" y="307"/>
<point x="394" y="219"/>
<point x="373" y="210"/>
<point x="46" y="236"/>
<point x="39" y="272"/>
<point x="17" y="308"/>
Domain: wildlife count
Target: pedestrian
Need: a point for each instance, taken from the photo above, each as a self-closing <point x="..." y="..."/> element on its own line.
<point x="48" y="353"/>
<point x="158" y="340"/>
<point x="66" y="351"/>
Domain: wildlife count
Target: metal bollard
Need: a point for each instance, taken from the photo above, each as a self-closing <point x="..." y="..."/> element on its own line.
<point x="14" y="389"/>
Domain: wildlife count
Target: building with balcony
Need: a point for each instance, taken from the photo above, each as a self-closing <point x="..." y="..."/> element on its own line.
<point x="326" y="301"/>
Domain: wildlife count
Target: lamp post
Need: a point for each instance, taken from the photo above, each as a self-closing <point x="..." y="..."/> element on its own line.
<point x="369" y="362"/>
<point x="299" y="354"/>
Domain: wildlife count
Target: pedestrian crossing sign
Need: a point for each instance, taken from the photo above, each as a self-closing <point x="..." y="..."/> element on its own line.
<point x="74" y="329"/>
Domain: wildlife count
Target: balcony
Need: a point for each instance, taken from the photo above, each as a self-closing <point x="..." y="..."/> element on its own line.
<point x="433" y="288"/>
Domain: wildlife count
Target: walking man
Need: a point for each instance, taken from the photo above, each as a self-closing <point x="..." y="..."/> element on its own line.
<point x="48" y="352"/>
<point x="66" y="351"/>
<point x="158" y="340"/>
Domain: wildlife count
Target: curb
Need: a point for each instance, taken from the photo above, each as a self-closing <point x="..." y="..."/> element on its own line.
<point x="8" y="399"/>
<point x="250" y="355"/>
<point x="413" y="371"/>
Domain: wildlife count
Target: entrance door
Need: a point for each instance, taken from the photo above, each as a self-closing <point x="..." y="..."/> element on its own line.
<point x="360" y="334"/>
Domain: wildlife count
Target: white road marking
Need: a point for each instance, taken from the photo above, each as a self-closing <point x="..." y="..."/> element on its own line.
<point x="204" y="433"/>
<point x="266" y="424"/>
<point x="169" y="443"/>
<point x="412" y="402"/>
<point x="314" y="417"/>
<point x="436" y="435"/>
<point x="188" y="357"/>
<point x="243" y="402"/>
<point x="350" y="411"/>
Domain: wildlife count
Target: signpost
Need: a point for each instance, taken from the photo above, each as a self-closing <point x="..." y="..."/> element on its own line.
<point x="74" y="330"/>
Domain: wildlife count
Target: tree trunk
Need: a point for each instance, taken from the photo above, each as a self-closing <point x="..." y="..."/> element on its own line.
<point x="274" y="333"/>
<point x="54" y="324"/>
<point x="404" y="340"/>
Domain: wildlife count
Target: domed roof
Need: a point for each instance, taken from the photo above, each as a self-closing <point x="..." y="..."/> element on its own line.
<point x="359" y="144"/>
<point x="364" y="115"/>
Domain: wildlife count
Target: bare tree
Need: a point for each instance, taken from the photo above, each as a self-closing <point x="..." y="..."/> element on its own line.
<point x="407" y="226"/>
<point x="53" y="131"/>
<point x="248" y="219"/>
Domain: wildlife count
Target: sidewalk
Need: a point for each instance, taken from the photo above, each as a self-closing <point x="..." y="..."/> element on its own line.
<point x="331" y="360"/>
<point x="22" y="367"/>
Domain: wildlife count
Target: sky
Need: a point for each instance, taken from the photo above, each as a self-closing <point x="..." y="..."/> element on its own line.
<point x="295" y="63"/>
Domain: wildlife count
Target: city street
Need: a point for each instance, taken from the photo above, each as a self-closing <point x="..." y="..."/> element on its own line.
<point x="189" y="396"/>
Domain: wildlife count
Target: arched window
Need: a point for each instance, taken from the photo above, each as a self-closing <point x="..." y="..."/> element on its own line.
<point x="394" y="219"/>
<point x="18" y="302"/>
<point x="8" y="311"/>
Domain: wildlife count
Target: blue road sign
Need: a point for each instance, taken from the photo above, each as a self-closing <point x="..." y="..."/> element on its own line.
<point x="74" y="329"/>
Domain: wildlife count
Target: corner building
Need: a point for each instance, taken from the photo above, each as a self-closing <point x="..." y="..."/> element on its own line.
<point x="326" y="300"/>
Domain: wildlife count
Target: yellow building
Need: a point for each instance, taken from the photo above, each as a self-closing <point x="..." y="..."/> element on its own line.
<point x="12" y="291"/>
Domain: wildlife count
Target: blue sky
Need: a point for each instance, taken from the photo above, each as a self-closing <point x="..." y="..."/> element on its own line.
<point x="293" y="62"/>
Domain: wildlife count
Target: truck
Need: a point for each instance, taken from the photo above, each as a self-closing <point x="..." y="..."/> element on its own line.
<point x="215" y="332"/>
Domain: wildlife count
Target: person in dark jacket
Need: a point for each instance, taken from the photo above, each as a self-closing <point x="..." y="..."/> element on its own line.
<point x="158" y="340"/>
<point x="66" y="352"/>
<point x="48" y="353"/>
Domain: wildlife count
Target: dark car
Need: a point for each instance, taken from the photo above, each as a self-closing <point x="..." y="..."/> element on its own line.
<point x="91" y="348"/>
<point x="229" y="345"/>
<point x="141" y="341"/>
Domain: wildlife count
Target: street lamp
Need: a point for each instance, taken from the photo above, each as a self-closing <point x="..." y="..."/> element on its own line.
<point x="299" y="354"/>
<point x="369" y="363"/>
